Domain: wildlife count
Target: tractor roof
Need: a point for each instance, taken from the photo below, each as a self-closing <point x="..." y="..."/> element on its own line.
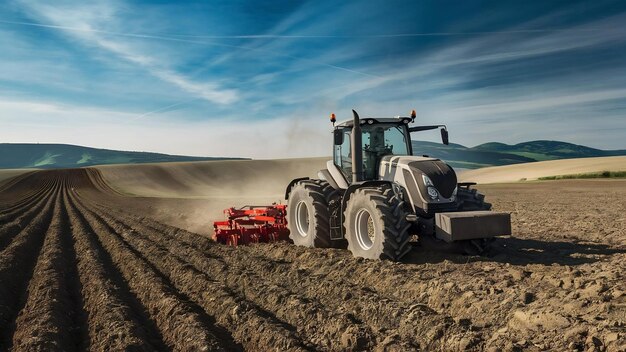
<point x="365" y="120"/>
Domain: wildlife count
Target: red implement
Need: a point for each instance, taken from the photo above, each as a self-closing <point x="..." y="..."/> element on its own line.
<point x="252" y="224"/>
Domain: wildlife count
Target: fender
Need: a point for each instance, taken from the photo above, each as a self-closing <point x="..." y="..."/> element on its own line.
<point x="325" y="175"/>
<point x="291" y="184"/>
<point x="353" y="187"/>
<point x="344" y="203"/>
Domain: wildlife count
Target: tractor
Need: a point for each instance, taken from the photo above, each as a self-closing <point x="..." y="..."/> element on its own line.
<point x="376" y="198"/>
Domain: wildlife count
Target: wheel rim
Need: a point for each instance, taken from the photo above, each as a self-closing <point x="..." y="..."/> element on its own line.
<point x="302" y="218"/>
<point x="365" y="229"/>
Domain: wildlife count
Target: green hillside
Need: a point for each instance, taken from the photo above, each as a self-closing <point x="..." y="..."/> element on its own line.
<point x="16" y="156"/>
<point x="494" y="153"/>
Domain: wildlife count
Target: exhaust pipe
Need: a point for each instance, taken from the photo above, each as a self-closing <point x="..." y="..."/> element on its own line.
<point x="357" y="149"/>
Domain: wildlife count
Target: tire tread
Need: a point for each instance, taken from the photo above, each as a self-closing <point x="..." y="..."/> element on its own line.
<point x="392" y="213"/>
<point x="322" y="193"/>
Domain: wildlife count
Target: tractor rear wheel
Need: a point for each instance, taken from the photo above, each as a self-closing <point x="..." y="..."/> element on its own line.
<point x="308" y="215"/>
<point x="375" y="224"/>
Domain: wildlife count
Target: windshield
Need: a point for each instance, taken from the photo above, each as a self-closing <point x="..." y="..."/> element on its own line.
<point x="380" y="140"/>
<point x="385" y="139"/>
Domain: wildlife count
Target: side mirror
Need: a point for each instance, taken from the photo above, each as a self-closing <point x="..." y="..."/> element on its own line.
<point x="338" y="134"/>
<point x="444" y="136"/>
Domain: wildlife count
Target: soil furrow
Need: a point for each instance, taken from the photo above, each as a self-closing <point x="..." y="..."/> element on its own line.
<point x="238" y="315"/>
<point x="181" y="327"/>
<point x="48" y="320"/>
<point x="74" y="285"/>
<point x="26" y="214"/>
<point x="16" y="188"/>
<point x="17" y="262"/>
<point x="116" y="319"/>
<point x="10" y="213"/>
<point x="27" y="183"/>
<point x="96" y="179"/>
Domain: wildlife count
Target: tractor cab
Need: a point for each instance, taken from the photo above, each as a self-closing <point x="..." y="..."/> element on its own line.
<point x="380" y="138"/>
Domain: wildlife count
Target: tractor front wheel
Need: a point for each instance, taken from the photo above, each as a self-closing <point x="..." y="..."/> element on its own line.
<point x="471" y="200"/>
<point x="375" y="224"/>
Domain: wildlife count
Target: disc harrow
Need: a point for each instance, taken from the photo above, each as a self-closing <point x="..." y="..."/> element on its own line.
<point x="252" y="224"/>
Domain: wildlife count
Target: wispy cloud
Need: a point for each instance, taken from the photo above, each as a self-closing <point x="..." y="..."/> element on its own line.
<point x="80" y="22"/>
<point x="50" y="114"/>
<point x="543" y="103"/>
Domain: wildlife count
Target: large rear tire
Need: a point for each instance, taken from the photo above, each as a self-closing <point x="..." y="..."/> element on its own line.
<point x="308" y="214"/>
<point x="375" y="224"/>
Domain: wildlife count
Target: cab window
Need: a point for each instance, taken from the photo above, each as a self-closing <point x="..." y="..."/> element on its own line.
<point x="343" y="156"/>
<point x="380" y="140"/>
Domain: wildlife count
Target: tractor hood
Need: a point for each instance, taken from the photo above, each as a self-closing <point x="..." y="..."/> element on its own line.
<point x="409" y="172"/>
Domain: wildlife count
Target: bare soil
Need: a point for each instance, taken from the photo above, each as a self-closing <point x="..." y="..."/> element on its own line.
<point x="83" y="267"/>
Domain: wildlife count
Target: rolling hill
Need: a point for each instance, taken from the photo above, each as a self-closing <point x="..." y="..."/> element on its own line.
<point x="496" y="154"/>
<point x="48" y="156"/>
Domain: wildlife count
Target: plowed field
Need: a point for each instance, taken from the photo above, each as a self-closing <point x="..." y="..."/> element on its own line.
<point x="83" y="267"/>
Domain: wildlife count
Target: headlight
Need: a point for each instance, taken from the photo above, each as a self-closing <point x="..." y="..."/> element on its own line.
<point x="427" y="181"/>
<point x="432" y="192"/>
<point x="430" y="187"/>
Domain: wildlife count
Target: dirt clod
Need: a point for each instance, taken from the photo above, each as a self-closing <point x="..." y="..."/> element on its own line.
<point x="354" y="339"/>
<point x="528" y="297"/>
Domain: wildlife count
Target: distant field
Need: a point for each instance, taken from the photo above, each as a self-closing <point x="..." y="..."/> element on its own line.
<point x="8" y="173"/>
<point x="212" y="185"/>
<point x="211" y="179"/>
<point x="603" y="174"/>
<point x="543" y="169"/>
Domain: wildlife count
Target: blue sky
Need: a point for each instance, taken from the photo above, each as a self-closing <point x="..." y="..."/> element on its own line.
<point x="259" y="79"/>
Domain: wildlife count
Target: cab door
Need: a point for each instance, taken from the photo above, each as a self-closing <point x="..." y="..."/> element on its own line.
<point x="342" y="156"/>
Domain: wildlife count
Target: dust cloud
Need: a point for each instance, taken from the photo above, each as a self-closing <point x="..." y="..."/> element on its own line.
<point x="194" y="194"/>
